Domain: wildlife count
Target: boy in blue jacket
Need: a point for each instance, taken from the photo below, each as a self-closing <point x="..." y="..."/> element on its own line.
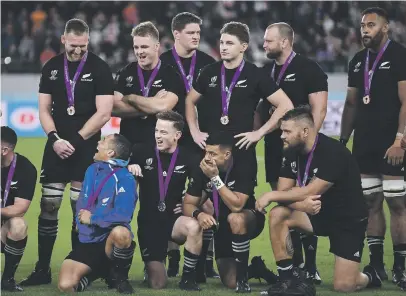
<point x="105" y="209"/>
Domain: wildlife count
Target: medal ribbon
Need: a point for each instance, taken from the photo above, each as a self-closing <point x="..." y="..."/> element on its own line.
<point x="163" y="186"/>
<point x="9" y="180"/>
<point x="145" y="89"/>
<point x="284" y="67"/>
<point x="226" y="95"/>
<point x="70" y="87"/>
<point x="308" y="163"/>
<point x="186" y="81"/>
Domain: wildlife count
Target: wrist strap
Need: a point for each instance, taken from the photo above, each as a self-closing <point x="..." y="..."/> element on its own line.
<point x="196" y="213"/>
<point x="53" y="137"/>
<point x="399" y="135"/>
<point x="216" y="181"/>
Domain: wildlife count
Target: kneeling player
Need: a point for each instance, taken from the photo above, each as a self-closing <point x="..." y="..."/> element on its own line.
<point x="105" y="209"/>
<point x="230" y="185"/>
<point x="321" y="166"/>
<point x="163" y="170"/>
<point x="19" y="177"/>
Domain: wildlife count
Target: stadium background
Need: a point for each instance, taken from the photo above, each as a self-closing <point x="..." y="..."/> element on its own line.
<point x="325" y="31"/>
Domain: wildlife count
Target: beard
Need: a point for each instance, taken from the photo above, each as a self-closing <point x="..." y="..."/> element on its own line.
<point x="295" y="148"/>
<point x="72" y="56"/>
<point x="373" y="42"/>
<point x="272" y="55"/>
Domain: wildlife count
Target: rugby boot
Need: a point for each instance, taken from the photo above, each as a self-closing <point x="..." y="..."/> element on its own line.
<point x="212" y="274"/>
<point x="188" y="282"/>
<point x="402" y="285"/>
<point x="297" y="284"/>
<point x="124" y="287"/>
<point x="10" y="285"/>
<point x="314" y="276"/>
<point x="258" y="270"/>
<point x="398" y="275"/>
<point x="374" y="279"/>
<point x="38" y="277"/>
<point x="383" y="275"/>
<point x="243" y="287"/>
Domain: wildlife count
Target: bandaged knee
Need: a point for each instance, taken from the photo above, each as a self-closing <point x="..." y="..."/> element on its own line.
<point x="393" y="188"/>
<point x="371" y="185"/>
<point x="51" y="200"/>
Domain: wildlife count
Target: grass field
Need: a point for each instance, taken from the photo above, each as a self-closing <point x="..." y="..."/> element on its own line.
<point x="32" y="148"/>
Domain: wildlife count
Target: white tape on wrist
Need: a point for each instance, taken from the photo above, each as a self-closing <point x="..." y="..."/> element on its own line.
<point x="216" y="181"/>
<point x="399" y="135"/>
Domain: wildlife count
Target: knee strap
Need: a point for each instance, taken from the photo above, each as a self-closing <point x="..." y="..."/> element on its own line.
<point x="393" y="188"/>
<point x="51" y="199"/>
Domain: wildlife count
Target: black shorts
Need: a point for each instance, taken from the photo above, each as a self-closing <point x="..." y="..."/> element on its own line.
<point x="94" y="256"/>
<point x="273" y="155"/>
<point x="346" y="238"/>
<point x="57" y="170"/>
<point x="369" y="156"/>
<point x="223" y="236"/>
<point x="153" y="237"/>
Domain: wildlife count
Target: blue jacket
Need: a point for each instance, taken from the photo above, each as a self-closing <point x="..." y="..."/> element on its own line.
<point x="114" y="206"/>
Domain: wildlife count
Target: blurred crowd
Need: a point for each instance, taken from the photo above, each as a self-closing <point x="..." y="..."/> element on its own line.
<point x="325" y="31"/>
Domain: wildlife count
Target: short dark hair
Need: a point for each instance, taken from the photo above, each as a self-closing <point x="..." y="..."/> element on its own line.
<point x="145" y="29"/>
<point x="285" y="30"/>
<point x="76" y="26"/>
<point x="377" y="10"/>
<point x="237" y="29"/>
<point x="299" y="113"/>
<point x="122" y="147"/>
<point x="223" y="139"/>
<point x="9" y="136"/>
<point x="182" y="19"/>
<point x="174" y="117"/>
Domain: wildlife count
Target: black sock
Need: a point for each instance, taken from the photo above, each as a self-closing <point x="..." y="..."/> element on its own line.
<point x="375" y="244"/>
<point x="13" y="252"/>
<point x="173" y="259"/>
<point x="297" y="248"/>
<point x="241" y="250"/>
<point x="122" y="260"/>
<point x="47" y="232"/>
<point x="285" y="268"/>
<point x="399" y="254"/>
<point x="189" y="265"/>
<point x="74" y="235"/>
<point x="310" y="249"/>
<point x="209" y="261"/>
<point x="207" y="237"/>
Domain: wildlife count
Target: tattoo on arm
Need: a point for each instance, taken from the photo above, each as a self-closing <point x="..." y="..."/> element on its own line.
<point x="289" y="245"/>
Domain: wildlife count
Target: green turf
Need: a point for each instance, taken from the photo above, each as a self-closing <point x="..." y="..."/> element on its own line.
<point x="33" y="148"/>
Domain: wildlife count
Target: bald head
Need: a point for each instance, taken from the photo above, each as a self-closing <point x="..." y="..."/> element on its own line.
<point x="284" y="30"/>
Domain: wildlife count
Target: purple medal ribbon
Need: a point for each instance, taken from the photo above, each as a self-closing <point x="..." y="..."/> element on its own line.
<point x="70" y="87"/>
<point x="187" y="80"/>
<point x="284" y="67"/>
<point x="369" y="74"/>
<point x="163" y="186"/>
<point x="145" y="89"/>
<point x="308" y="163"/>
<point x="95" y="194"/>
<point x="216" y="193"/>
<point x="9" y="179"/>
<point x="226" y="94"/>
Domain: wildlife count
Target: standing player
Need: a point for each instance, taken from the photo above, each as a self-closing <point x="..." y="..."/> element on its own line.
<point x="75" y="102"/>
<point x="305" y="83"/>
<point x="230" y="184"/>
<point x="375" y="108"/>
<point x="341" y="213"/>
<point x="231" y="90"/>
<point x="105" y="209"/>
<point x="188" y="60"/>
<point x="18" y="179"/>
<point x="163" y="169"/>
<point x="146" y="87"/>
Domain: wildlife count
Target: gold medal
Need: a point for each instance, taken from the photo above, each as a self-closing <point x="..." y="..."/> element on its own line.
<point x="366" y="99"/>
<point x="224" y="120"/>
<point x="71" y="110"/>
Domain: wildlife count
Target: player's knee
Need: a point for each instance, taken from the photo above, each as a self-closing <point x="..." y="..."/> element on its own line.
<point x="193" y="227"/>
<point x="18" y="228"/>
<point x="51" y="200"/>
<point x="66" y="285"/>
<point x="157" y="284"/>
<point x="236" y="221"/>
<point x="229" y="282"/>
<point x="344" y="286"/>
<point x="121" y="236"/>
<point x="394" y="192"/>
<point x="278" y="215"/>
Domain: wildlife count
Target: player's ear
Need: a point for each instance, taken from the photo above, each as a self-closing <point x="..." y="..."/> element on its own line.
<point x="244" y="46"/>
<point x="176" y="34"/>
<point x="63" y="39"/>
<point x="306" y="132"/>
<point x="385" y="28"/>
<point x="178" y="134"/>
<point x="157" y="46"/>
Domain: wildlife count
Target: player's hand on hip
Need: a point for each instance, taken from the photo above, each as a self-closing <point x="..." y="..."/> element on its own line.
<point x="178" y="209"/>
<point x="394" y="155"/>
<point x="63" y="148"/>
<point x="206" y="221"/>
<point x="312" y="204"/>
<point x="403" y="142"/>
<point x="247" y="139"/>
<point x="200" y="138"/>
<point x="135" y="169"/>
<point x="162" y="93"/>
